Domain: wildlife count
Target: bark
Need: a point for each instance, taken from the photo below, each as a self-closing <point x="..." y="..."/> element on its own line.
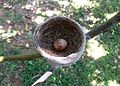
<point x="104" y="26"/>
<point x="20" y="57"/>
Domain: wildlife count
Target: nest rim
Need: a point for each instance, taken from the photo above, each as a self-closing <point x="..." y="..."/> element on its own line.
<point x="61" y="59"/>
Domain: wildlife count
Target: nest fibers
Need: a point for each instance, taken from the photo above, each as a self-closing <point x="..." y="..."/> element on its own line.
<point x="59" y="28"/>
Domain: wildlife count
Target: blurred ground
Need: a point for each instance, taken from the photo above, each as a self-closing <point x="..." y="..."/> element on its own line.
<point x="100" y="64"/>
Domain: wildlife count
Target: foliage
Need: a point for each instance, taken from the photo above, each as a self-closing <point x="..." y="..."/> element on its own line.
<point x="86" y="70"/>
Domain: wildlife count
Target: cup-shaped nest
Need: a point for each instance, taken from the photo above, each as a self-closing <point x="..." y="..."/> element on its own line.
<point x="59" y="28"/>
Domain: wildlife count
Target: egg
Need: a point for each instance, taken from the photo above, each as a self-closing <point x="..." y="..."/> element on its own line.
<point x="60" y="44"/>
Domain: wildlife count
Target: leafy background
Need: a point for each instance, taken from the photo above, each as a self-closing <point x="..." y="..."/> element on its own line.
<point x="100" y="64"/>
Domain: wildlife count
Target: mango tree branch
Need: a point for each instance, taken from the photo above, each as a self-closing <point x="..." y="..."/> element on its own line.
<point x="20" y="57"/>
<point x="97" y="30"/>
<point x="104" y="26"/>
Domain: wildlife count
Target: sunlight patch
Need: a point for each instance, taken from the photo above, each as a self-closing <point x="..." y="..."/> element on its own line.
<point x="108" y="15"/>
<point x="2" y="31"/>
<point x="49" y="13"/>
<point x="95" y="50"/>
<point x="82" y="3"/>
<point x="38" y="19"/>
<point x="1" y="27"/>
<point x="97" y="71"/>
<point x="91" y="17"/>
<point x="65" y="3"/>
<point x="7" y="34"/>
<point x="1" y="59"/>
<point x="113" y="83"/>
<point x="94" y="83"/>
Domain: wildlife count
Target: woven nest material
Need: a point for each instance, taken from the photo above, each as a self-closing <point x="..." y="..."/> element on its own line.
<point x="59" y="28"/>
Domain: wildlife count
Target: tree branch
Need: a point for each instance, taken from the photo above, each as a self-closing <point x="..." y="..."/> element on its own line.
<point x="20" y="57"/>
<point x="104" y="26"/>
<point x="101" y="28"/>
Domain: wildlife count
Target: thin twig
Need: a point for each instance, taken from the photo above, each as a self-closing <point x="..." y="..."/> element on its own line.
<point x="45" y="76"/>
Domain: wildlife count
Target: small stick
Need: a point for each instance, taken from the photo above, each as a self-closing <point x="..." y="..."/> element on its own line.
<point x="45" y="76"/>
<point x="47" y="33"/>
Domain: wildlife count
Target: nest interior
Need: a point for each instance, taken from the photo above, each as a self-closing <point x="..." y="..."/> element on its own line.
<point x="59" y="28"/>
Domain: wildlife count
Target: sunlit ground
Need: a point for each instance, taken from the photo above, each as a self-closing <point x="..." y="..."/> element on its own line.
<point x="95" y="50"/>
<point x="110" y="83"/>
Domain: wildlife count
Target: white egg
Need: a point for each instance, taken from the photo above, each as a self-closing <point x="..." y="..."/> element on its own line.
<point x="60" y="44"/>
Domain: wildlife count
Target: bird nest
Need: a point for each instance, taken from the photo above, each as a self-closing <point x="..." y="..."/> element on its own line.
<point x="59" y="28"/>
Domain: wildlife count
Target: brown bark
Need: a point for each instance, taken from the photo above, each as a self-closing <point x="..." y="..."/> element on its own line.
<point x="20" y="57"/>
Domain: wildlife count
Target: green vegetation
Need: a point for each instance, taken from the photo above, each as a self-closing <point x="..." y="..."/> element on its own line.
<point x="85" y="72"/>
